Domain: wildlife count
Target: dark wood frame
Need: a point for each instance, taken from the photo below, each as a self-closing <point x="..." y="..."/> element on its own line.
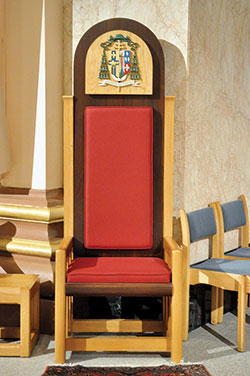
<point x="156" y="101"/>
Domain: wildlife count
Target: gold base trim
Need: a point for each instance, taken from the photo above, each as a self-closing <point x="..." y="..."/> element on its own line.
<point x="27" y="213"/>
<point x="30" y="247"/>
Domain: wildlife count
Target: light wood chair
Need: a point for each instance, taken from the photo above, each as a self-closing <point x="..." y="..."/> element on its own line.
<point x="118" y="193"/>
<point x="24" y="290"/>
<point x="231" y="216"/>
<point x="220" y="273"/>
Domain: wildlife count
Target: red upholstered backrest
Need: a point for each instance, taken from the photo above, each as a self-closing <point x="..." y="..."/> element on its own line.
<point x="118" y="178"/>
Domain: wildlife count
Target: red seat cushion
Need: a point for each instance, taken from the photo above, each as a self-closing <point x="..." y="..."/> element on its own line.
<point x="118" y="270"/>
<point x="118" y="178"/>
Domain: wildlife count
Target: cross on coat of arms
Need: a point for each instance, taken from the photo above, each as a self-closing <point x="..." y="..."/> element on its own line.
<point x="119" y="63"/>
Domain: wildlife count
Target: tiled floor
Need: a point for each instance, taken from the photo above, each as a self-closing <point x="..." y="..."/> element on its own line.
<point x="213" y="346"/>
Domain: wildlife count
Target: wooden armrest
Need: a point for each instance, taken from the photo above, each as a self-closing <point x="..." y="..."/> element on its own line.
<point x="63" y="257"/>
<point x="171" y="244"/>
<point x="65" y="246"/>
<point x="173" y="255"/>
<point x="171" y="250"/>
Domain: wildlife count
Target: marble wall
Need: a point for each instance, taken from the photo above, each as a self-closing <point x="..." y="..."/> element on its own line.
<point x="206" y="49"/>
<point x="217" y="125"/>
<point x="166" y="18"/>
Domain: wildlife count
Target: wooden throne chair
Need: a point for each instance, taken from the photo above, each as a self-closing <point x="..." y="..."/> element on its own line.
<point x="118" y="191"/>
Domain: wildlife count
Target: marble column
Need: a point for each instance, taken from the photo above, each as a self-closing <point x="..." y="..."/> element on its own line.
<point x="4" y="137"/>
<point x="31" y="195"/>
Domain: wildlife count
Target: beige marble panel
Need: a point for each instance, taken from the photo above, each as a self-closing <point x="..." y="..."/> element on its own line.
<point x="68" y="43"/>
<point x="166" y="18"/>
<point x="217" y="132"/>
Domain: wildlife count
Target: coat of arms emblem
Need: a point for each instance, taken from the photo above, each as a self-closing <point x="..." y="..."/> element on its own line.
<point x="119" y="63"/>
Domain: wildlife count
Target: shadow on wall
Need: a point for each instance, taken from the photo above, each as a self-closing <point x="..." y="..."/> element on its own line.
<point x="175" y="85"/>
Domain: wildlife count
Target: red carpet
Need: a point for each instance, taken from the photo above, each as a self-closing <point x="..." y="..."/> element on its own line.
<point x="179" y="370"/>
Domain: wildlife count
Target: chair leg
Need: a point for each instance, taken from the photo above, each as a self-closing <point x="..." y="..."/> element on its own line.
<point x="241" y="322"/>
<point x="185" y="315"/>
<point x="60" y="309"/>
<point x="217" y="305"/>
<point x="69" y="315"/>
<point x="176" y="310"/>
<point x="214" y="305"/>
<point x="221" y="306"/>
<point x="36" y="310"/>
<point x="165" y="314"/>
<point x="25" y="323"/>
<point x="185" y="304"/>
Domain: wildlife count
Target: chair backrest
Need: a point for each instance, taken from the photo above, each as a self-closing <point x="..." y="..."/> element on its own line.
<point x="197" y="225"/>
<point x="118" y="178"/>
<point x="118" y="159"/>
<point x="201" y="224"/>
<point x="233" y="215"/>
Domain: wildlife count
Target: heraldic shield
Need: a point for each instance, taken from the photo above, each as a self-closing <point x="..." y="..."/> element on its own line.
<point x="119" y="63"/>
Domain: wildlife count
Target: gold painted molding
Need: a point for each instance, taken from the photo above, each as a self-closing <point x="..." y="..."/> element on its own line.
<point x="29" y="247"/>
<point x="28" y="213"/>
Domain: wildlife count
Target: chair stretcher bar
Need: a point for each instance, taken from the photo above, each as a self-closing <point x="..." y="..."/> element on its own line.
<point x="119" y="289"/>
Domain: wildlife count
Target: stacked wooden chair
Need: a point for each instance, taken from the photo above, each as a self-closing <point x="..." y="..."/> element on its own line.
<point x="118" y="167"/>
<point x="231" y="216"/>
<point x="219" y="272"/>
